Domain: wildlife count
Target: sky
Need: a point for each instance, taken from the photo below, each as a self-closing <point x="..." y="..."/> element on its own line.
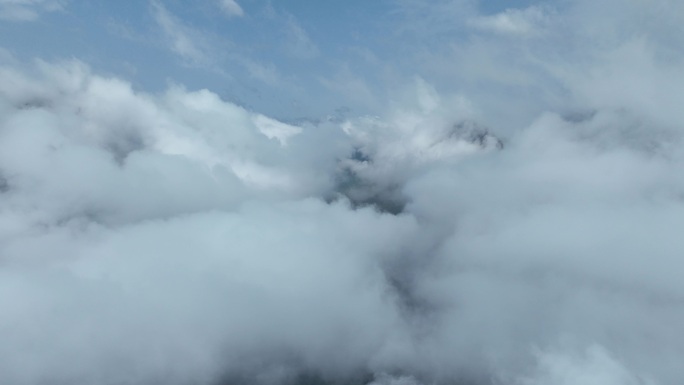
<point x="290" y="59"/>
<point x="454" y="192"/>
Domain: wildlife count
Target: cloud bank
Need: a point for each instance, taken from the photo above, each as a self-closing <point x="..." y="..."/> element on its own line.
<point x="177" y="238"/>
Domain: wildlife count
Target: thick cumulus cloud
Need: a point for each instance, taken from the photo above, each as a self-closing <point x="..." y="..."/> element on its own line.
<point x="176" y="238"/>
<point x="165" y="240"/>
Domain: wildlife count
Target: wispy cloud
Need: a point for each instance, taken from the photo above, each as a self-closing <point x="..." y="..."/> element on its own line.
<point x="188" y="43"/>
<point x="298" y="43"/>
<point x="6" y="56"/>
<point x="231" y="8"/>
<point x="28" y="10"/>
<point x="351" y="87"/>
<point x="200" y="48"/>
<point x="513" y="22"/>
<point x="421" y="18"/>
<point x="265" y="73"/>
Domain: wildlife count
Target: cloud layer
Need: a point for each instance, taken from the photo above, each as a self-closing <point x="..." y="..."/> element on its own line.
<point x="177" y="238"/>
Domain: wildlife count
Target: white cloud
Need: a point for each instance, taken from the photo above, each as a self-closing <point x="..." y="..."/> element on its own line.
<point x="275" y="129"/>
<point x="231" y="8"/>
<point x="594" y="367"/>
<point x="160" y="235"/>
<point x="177" y="238"/>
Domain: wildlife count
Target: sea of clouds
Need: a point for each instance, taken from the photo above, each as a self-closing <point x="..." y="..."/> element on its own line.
<point x="179" y="239"/>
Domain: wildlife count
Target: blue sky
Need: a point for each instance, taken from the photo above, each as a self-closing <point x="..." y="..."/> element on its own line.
<point x="285" y="58"/>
